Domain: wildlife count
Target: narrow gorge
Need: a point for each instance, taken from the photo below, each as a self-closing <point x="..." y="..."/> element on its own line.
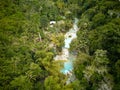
<point x="66" y="55"/>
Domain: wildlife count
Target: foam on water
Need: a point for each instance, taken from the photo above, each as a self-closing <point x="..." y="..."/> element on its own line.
<point x="69" y="36"/>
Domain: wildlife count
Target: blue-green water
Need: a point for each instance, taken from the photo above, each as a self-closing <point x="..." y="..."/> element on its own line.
<point x="69" y="36"/>
<point x="68" y="66"/>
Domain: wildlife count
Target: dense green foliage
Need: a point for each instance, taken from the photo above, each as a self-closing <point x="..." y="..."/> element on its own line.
<point x="99" y="34"/>
<point x="28" y="44"/>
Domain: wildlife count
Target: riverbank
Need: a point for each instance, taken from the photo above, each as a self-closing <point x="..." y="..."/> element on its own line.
<point x="65" y="55"/>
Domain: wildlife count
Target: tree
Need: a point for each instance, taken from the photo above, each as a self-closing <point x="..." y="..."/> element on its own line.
<point x="51" y="83"/>
<point x="98" y="71"/>
<point x="21" y="83"/>
<point x="98" y="19"/>
<point x="44" y="21"/>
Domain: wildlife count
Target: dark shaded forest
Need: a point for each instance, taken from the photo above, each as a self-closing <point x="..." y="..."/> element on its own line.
<point x="28" y="44"/>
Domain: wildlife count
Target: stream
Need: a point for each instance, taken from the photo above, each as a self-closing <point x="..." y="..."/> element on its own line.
<point x="66" y="55"/>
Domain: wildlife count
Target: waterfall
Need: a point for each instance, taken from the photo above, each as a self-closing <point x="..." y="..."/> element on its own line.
<point x="69" y="36"/>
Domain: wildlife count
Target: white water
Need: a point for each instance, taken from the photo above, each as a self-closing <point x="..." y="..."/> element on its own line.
<point x="69" y="36"/>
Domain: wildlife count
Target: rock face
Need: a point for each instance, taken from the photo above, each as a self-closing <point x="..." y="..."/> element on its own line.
<point x="63" y="56"/>
<point x="52" y="23"/>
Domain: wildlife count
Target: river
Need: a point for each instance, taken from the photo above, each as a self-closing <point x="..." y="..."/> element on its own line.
<point x="66" y="55"/>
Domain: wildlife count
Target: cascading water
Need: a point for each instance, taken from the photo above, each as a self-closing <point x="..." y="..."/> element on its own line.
<point x="69" y="36"/>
